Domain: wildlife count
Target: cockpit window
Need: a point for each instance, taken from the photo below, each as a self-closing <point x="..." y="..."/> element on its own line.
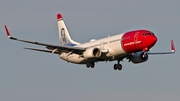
<point x="148" y="33"/>
<point x="144" y="34"/>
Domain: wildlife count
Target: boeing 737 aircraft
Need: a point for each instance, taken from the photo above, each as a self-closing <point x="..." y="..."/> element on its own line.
<point x="133" y="45"/>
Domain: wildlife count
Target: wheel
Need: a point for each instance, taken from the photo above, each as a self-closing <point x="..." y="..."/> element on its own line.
<point x="119" y="67"/>
<point x="92" y="65"/>
<point x="115" y="66"/>
<point x="88" y="65"/>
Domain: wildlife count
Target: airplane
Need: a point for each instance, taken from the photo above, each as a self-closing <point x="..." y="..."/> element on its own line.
<point x="132" y="45"/>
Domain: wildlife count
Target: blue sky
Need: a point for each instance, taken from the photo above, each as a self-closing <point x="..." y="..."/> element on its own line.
<point x="28" y="75"/>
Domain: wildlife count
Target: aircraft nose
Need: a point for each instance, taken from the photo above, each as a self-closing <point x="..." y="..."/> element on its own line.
<point x="154" y="39"/>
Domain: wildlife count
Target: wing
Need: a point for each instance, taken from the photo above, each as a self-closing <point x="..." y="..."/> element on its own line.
<point x="52" y="48"/>
<point x="171" y="52"/>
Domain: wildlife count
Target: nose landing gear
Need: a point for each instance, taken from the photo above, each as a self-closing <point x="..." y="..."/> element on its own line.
<point x="90" y="64"/>
<point x="118" y="66"/>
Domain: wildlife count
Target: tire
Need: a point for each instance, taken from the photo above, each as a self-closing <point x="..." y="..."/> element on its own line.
<point x="92" y="65"/>
<point x="115" y="67"/>
<point x="88" y="65"/>
<point x="119" y="67"/>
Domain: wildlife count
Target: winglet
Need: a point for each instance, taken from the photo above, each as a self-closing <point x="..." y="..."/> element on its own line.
<point x="7" y="32"/>
<point x="59" y="16"/>
<point x="172" y="46"/>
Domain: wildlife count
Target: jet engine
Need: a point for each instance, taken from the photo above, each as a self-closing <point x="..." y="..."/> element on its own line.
<point x="139" y="57"/>
<point x="92" y="53"/>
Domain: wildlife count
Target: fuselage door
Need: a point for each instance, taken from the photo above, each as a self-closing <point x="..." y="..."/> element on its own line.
<point x="137" y="42"/>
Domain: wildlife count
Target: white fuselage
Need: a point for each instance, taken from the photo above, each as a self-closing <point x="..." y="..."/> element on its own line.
<point x="110" y="44"/>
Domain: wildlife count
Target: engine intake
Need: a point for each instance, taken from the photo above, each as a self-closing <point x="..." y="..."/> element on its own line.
<point x="139" y="57"/>
<point x="92" y="53"/>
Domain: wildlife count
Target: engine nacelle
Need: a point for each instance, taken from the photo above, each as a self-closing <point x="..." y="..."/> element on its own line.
<point x="92" y="53"/>
<point x="139" y="57"/>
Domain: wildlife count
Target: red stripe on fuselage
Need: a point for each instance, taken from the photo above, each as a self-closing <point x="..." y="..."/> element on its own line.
<point x="138" y="40"/>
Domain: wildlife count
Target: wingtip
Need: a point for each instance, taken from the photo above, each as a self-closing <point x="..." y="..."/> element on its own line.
<point x="172" y="46"/>
<point x="59" y="16"/>
<point x="7" y="32"/>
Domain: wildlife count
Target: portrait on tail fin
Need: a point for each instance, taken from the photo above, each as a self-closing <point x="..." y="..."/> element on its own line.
<point x="63" y="36"/>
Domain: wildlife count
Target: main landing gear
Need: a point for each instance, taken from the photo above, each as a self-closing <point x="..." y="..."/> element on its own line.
<point x="90" y="64"/>
<point x="118" y="66"/>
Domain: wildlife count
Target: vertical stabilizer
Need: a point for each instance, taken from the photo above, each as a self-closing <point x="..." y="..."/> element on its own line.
<point x="64" y="35"/>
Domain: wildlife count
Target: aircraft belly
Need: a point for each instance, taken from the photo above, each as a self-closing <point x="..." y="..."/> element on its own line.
<point x="73" y="58"/>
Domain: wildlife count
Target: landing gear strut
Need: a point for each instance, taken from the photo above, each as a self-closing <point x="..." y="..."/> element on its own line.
<point x="90" y="64"/>
<point x="118" y="66"/>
